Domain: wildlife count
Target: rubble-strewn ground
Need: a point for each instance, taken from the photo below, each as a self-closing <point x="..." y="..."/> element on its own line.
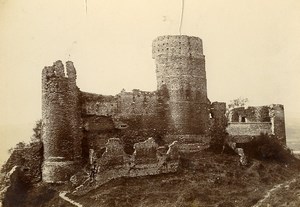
<point x="210" y="180"/>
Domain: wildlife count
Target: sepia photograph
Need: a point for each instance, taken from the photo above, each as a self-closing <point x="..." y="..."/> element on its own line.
<point x="150" y="103"/>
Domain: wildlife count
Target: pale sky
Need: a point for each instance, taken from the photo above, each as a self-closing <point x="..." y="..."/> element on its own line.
<point x="252" y="50"/>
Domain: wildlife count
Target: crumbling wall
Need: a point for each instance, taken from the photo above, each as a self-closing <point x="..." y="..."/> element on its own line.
<point x="124" y="104"/>
<point x="141" y="112"/>
<point x="189" y="143"/>
<point x="97" y="113"/>
<point x="257" y="114"/>
<point x="254" y="120"/>
<point x="146" y="160"/>
<point x="250" y="114"/>
<point x="95" y="141"/>
<point x="145" y="152"/>
<point x="114" y="153"/>
<point x="140" y="107"/>
<point x="61" y="122"/>
<point x="136" y="102"/>
<point x="96" y="131"/>
<point x="218" y="118"/>
<point x="236" y="114"/>
<point x="180" y="71"/>
<point x="135" y="115"/>
<point x="96" y="104"/>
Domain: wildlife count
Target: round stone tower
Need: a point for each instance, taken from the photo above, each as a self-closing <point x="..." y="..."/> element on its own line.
<point x="61" y="134"/>
<point x="180" y="71"/>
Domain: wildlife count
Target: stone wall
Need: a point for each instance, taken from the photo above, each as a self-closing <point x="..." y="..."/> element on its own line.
<point x="125" y="104"/>
<point x="180" y="71"/>
<point x="249" y="129"/>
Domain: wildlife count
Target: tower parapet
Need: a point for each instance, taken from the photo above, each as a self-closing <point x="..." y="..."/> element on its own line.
<point x="61" y="134"/>
<point x="180" y="70"/>
<point x="177" y="45"/>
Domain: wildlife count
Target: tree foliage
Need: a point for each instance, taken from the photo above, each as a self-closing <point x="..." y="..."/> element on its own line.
<point x="37" y="132"/>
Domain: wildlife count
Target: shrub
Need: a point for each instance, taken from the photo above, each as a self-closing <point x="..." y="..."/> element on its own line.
<point x="265" y="147"/>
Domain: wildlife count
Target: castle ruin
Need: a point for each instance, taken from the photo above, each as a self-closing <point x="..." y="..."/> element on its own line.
<point x="76" y="124"/>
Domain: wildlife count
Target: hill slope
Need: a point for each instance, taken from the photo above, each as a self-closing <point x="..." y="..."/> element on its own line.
<point x="205" y="179"/>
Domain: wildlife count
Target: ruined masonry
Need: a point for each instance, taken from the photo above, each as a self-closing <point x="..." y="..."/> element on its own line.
<point x="80" y="127"/>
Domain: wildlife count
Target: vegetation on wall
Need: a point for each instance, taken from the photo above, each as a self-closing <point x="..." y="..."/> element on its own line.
<point x="236" y="103"/>
<point x="37" y="131"/>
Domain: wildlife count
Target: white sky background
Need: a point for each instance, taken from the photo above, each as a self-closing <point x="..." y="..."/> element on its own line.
<point x="252" y="49"/>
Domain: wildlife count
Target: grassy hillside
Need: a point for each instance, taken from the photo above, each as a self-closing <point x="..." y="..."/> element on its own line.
<point x="205" y="179"/>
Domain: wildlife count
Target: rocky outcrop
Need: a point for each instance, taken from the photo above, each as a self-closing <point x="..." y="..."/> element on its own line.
<point x="14" y="188"/>
<point x="6" y="183"/>
<point x="29" y="158"/>
<point x="240" y="152"/>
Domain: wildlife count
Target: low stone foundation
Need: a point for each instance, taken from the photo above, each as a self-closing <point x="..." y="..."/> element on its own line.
<point x="58" y="172"/>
